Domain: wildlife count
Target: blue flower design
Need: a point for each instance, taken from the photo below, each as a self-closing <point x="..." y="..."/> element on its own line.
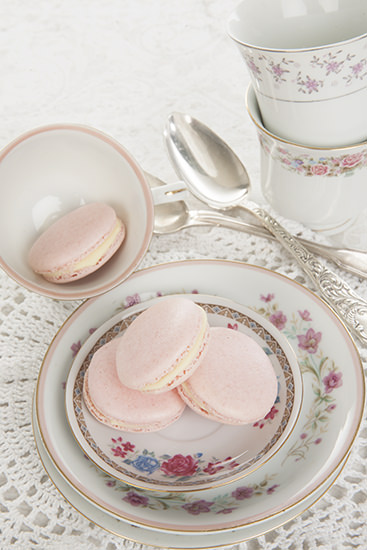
<point x="146" y="464"/>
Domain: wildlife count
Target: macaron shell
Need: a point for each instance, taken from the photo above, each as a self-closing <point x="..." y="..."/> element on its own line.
<point x="121" y="408"/>
<point x="173" y="331"/>
<point x="72" y="237"/>
<point x="236" y="382"/>
<point x="65" y="276"/>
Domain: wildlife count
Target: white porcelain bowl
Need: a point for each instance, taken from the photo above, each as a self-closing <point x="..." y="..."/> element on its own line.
<point x="324" y="188"/>
<point x="308" y="65"/>
<point x="51" y="170"/>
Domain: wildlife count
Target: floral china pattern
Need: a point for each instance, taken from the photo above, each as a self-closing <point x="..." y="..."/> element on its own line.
<point x="176" y="466"/>
<point x="326" y="377"/>
<point x="324" y="166"/>
<point x="318" y="71"/>
<point x="220" y="504"/>
<point x="141" y="463"/>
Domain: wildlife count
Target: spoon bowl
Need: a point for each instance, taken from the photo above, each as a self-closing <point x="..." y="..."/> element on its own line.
<point x="216" y="176"/>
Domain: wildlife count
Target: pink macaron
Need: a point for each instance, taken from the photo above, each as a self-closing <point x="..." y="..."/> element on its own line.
<point x="77" y="244"/>
<point x="122" y="408"/>
<point x="163" y="346"/>
<point x="235" y="383"/>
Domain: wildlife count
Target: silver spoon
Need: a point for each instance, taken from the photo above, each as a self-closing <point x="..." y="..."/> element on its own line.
<point x="214" y="174"/>
<point x="173" y="216"/>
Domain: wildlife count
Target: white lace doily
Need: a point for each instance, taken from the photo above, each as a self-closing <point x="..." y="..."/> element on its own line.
<point x="123" y="66"/>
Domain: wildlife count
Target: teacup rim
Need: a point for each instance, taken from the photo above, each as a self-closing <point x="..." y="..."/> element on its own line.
<point x="329" y="45"/>
<point x="260" y="125"/>
<point x="308" y="49"/>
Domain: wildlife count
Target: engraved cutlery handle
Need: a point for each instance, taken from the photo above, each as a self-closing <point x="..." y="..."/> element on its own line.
<point x="350" y="307"/>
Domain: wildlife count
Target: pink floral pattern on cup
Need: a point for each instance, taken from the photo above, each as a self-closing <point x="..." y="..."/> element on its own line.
<point x="317" y="165"/>
<point x="317" y="74"/>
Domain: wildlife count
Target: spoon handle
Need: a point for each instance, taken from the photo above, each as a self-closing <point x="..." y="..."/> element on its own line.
<point x="347" y="304"/>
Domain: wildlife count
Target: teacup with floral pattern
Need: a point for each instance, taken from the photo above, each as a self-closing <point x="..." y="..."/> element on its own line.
<point x="323" y="188"/>
<point x="308" y="65"/>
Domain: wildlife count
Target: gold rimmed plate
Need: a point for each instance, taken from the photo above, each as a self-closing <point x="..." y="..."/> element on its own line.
<point x="193" y="453"/>
<point x="329" y="419"/>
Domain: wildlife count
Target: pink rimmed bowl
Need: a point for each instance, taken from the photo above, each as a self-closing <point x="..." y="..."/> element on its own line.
<point x="51" y="170"/>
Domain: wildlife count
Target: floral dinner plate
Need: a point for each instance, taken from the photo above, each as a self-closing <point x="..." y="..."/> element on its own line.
<point x="161" y="538"/>
<point x="193" y="453"/>
<point x="328" y="423"/>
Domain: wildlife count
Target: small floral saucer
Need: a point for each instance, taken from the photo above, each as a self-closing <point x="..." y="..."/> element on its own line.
<point x="193" y="453"/>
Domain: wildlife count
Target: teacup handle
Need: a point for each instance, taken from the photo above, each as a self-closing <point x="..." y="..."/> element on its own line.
<point x="167" y="192"/>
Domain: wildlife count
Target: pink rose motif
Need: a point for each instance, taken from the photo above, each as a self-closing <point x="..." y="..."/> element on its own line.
<point x="128" y="446"/>
<point x="319" y="169"/>
<point x="253" y="68"/>
<point x="278" y="71"/>
<point x="309" y="341"/>
<point x="198" y="507"/>
<point x="305" y="315"/>
<point x="332" y="381"/>
<point x="259" y="423"/>
<point x="75" y="347"/>
<point x="233" y="327"/>
<point x="271" y="489"/>
<point x="243" y="492"/>
<point x="132" y="300"/>
<point x="180" y="465"/>
<point x="352" y="160"/>
<point x="278" y="319"/>
<point x="118" y="451"/>
<point x="121" y="448"/>
<point x="213" y="468"/>
<point x="357" y="68"/>
<point x="271" y="414"/>
<point x="135" y="499"/>
<point x="312" y="85"/>
<point x="267" y="298"/>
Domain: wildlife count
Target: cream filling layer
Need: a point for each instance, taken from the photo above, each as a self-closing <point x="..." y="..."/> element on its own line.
<point x="192" y="398"/>
<point x="92" y="258"/>
<point x="183" y="364"/>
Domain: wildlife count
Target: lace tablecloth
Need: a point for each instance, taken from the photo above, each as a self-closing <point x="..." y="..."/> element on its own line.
<point x="123" y="66"/>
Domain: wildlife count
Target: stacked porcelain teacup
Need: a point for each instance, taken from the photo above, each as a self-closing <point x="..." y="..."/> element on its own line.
<point x="308" y="100"/>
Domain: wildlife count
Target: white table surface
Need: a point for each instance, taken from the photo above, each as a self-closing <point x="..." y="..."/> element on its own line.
<point x="122" y="66"/>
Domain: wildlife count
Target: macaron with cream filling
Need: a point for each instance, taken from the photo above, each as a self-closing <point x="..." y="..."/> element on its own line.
<point x="163" y="346"/>
<point x="122" y="408"/>
<point x="235" y="383"/>
<point x="77" y="244"/>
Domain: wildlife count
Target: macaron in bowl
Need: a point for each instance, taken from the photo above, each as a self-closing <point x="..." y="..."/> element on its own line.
<point x="53" y="170"/>
<point x="77" y="244"/>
